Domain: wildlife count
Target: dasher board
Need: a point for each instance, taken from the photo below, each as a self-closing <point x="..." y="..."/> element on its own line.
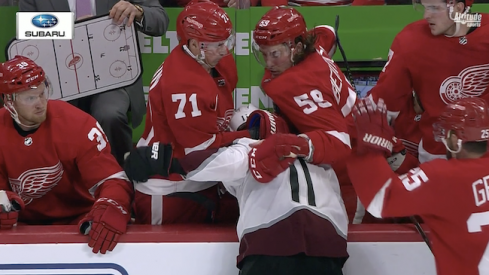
<point x="102" y="56"/>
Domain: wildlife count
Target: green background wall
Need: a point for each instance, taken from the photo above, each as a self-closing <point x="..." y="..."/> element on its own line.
<point x="366" y="33"/>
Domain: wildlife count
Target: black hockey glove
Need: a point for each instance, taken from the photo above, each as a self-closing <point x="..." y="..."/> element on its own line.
<point x="146" y="161"/>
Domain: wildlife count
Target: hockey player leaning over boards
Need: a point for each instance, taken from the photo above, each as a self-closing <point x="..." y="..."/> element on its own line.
<point x="441" y="60"/>
<point x="295" y="223"/>
<point x="308" y="89"/>
<point x="55" y="161"/>
<point x="451" y="196"/>
<point x="190" y="103"/>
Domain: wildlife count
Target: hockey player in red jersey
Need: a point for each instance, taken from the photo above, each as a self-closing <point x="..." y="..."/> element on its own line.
<point x="440" y="60"/>
<point x="55" y="161"/>
<point x="294" y="224"/>
<point x="451" y="196"/>
<point x="190" y="104"/>
<point x="309" y="89"/>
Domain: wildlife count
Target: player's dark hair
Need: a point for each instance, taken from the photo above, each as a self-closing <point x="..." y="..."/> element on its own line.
<point x="477" y="147"/>
<point x="309" y="47"/>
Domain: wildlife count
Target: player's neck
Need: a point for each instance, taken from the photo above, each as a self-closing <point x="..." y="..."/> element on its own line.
<point x="462" y="30"/>
<point x="469" y="155"/>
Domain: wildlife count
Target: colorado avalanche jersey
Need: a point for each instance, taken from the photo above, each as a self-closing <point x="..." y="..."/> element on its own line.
<point x="304" y="189"/>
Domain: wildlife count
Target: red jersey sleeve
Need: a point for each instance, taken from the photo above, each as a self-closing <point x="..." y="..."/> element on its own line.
<point x="99" y="170"/>
<point x="325" y="38"/>
<point x="319" y="107"/>
<point x="328" y="131"/>
<point x="4" y="184"/>
<point x="394" y="85"/>
<point x="385" y="194"/>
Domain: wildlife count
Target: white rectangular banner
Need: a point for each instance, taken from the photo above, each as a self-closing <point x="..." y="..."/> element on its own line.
<point x="366" y="258"/>
<point x="43" y="25"/>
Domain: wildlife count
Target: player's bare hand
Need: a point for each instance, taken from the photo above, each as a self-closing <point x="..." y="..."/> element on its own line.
<point x="123" y="10"/>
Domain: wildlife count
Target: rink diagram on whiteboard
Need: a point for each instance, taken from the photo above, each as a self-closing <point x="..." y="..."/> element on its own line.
<point x="102" y="56"/>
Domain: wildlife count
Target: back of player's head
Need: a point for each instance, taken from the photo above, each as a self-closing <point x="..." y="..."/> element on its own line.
<point x="467" y="118"/>
<point x="20" y="74"/>
<point x="240" y="116"/>
<point x="279" y="25"/>
<point x="204" y="21"/>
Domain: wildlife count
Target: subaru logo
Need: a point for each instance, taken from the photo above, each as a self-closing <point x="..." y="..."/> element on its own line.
<point x="44" y="21"/>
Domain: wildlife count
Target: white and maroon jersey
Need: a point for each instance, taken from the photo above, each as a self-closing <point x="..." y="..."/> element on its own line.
<point x="60" y="168"/>
<point x="451" y="196"/>
<point x="439" y="69"/>
<point x="301" y="187"/>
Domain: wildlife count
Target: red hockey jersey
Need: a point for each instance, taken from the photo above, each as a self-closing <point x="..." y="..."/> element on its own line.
<point x="188" y="107"/>
<point x="316" y="98"/>
<point x="451" y="196"/>
<point x="440" y="69"/>
<point x="59" y="169"/>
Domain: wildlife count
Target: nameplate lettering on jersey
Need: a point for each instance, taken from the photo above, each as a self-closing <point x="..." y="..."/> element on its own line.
<point x="480" y="188"/>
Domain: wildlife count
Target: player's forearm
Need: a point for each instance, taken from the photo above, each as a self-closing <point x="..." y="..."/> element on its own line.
<point x="118" y="190"/>
<point x="372" y="179"/>
<point x="227" y="138"/>
<point x="155" y="22"/>
<point x="225" y="164"/>
<point x="329" y="146"/>
<point x="208" y="141"/>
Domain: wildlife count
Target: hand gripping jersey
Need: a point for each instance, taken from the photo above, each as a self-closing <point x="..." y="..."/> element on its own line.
<point x="315" y="97"/>
<point x="301" y="210"/>
<point x="440" y="69"/>
<point x="451" y="196"/>
<point x="61" y="167"/>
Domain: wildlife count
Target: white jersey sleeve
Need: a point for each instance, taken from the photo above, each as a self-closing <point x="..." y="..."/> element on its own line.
<point x="302" y="186"/>
<point x="228" y="165"/>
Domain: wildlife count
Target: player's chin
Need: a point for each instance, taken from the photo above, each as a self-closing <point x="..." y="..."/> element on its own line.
<point x="435" y="31"/>
<point x="39" y="117"/>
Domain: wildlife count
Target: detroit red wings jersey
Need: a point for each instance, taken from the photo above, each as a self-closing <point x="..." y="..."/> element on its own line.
<point x="316" y="98"/>
<point x="440" y="69"/>
<point x="58" y="169"/>
<point x="406" y="127"/>
<point x="186" y="105"/>
<point x="451" y="196"/>
<point x="265" y="206"/>
<point x="188" y="108"/>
